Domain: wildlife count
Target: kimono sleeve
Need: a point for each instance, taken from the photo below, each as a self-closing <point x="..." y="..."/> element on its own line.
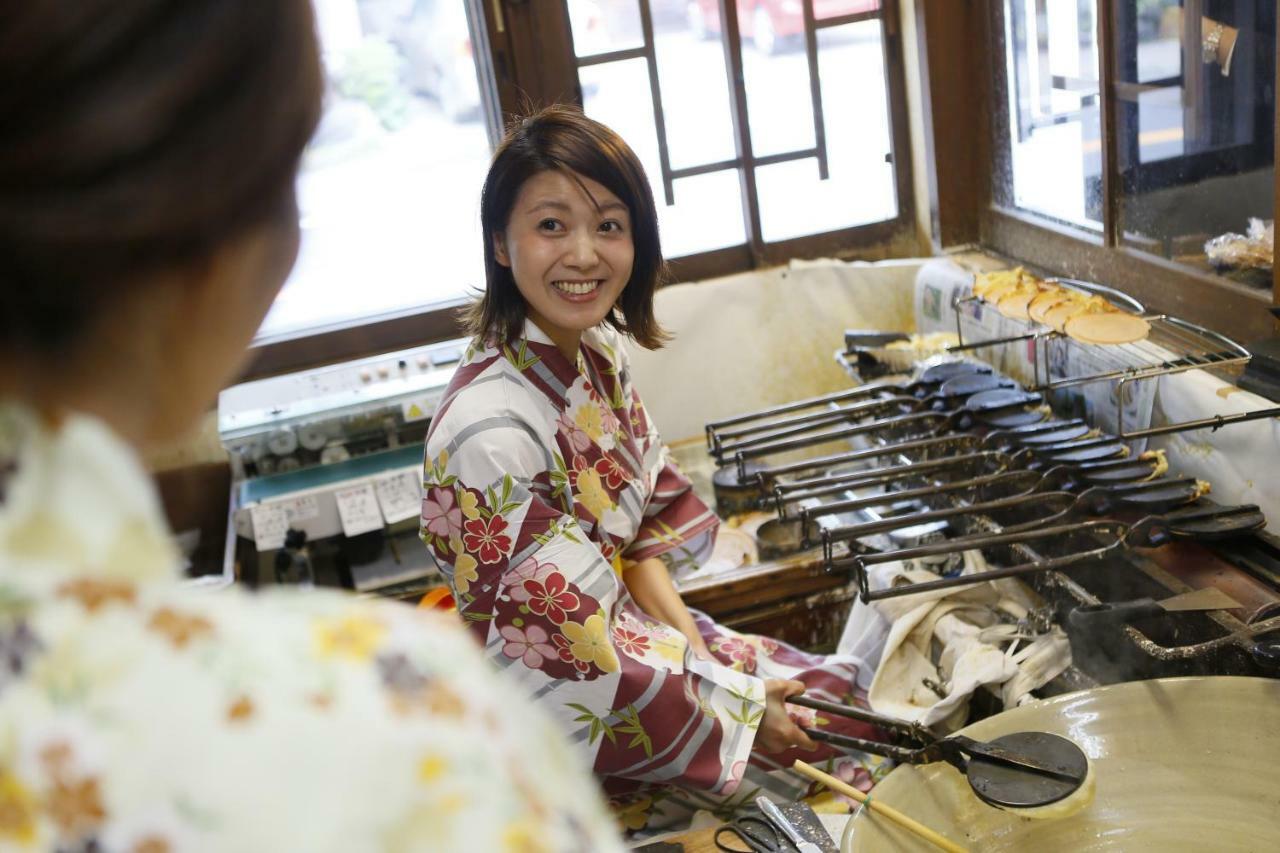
<point x="676" y="523"/>
<point x="546" y="606"/>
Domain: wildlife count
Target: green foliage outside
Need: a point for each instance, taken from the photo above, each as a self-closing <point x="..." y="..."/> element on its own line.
<point x="371" y="74"/>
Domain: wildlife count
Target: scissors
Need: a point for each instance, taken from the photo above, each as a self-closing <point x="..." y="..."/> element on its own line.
<point x="756" y="833"/>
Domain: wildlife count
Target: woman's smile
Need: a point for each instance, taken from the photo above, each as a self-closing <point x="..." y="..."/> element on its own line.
<point x="578" y="290"/>
<point x="568" y="244"/>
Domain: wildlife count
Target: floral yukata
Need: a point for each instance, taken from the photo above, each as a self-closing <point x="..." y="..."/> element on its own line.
<point x="543" y="478"/>
<point x="142" y="715"/>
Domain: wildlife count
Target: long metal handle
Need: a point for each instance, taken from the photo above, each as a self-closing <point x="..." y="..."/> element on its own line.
<point x="968" y="543"/>
<point x="899" y="754"/>
<point x="912" y="730"/>
<point x="768" y="447"/>
<point x="794" y="492"/>
<point x="809" y="402"/>
<point x="898" y="522"/>
<point x="721" y="437"/>
<point x="858" y="563"/>
<point x="768" y="475"/>
<point x="887" y="498"/>
<point x="1213" y="424"/>
<point x="799" y="426"/>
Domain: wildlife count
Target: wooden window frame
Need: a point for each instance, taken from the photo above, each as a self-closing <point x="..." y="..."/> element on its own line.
<point x="525" y="56"/>
<point x="963" y="46"/>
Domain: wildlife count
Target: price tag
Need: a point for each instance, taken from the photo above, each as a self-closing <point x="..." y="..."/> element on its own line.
<point x="302" y="508"/>
<point x="358" y="509"/>
<point x="399" y="495"/>
<point x="270" y="523"/>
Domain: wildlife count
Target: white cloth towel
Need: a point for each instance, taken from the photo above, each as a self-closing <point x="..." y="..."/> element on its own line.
<point x="956" y="639"/>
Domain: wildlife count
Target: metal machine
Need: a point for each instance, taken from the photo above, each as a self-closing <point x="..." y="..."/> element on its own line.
<point x="962" y="458"/>
<point x="326" y="471"/>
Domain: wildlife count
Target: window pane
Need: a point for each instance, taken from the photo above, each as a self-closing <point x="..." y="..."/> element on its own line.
<point x="1196" y="149"/>
<point x="860" y="189"/>
<point x="708" y="210"/>
<point x="603" y="26"/>
<point x="777" y="83"/>
<point x="697" y="112"/>
<point x="695" y="88"/>
<point x="823" y="9"/>
<point x="776" y="72"/>
<point x="389" y="191"/>
<point x="1055" y="143"/>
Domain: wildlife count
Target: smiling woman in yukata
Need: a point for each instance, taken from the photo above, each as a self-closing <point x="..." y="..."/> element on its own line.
<point x="551" y="502"/>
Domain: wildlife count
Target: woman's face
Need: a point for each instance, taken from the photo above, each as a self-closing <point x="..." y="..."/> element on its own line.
<point x="568" y="244"/>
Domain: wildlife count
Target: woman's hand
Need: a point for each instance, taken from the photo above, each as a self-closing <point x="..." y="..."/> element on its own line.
<point x="698" y="646"/>
<point x="777" y="732"/>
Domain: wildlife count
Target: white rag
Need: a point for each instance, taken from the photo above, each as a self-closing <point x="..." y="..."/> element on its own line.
<point x="955" y="639"/>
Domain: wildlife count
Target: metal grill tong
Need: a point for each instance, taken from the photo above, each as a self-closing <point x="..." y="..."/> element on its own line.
<point x="1106" y="537"/>
<point x="752" y="423"/>
<point x="1020" y="770"/>
<point x="970" y="397"/>
<point x="1005" y="467"/>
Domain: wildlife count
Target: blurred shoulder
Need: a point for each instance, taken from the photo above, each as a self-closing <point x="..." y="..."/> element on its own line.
<point x="285" y="719"/>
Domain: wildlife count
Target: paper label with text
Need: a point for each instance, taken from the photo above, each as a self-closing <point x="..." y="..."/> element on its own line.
<point x="399" y="495"/>
<point x="270" y="523"/>
<point x="358" y="509"/>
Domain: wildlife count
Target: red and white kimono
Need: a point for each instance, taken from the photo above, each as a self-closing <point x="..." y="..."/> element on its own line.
<point x="541" y="476"/>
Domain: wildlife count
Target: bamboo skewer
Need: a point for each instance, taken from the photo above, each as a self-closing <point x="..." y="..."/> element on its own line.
<point x="878" y="807"/>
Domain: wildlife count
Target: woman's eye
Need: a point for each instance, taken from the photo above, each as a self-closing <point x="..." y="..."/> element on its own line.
<point x="549" y="225"/>
<point x="611" y="226"/>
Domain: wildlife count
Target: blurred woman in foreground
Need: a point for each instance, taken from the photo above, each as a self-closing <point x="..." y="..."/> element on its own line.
<point x="147" y="220"/>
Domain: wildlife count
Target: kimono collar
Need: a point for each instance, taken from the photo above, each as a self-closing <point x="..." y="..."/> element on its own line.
<point x="542" y="345"/>
<point x="74" y="498"/>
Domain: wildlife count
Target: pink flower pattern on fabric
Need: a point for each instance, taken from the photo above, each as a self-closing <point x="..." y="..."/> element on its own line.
<point x="742" y="653"/>
<point x="576" y="437"/>
<point x="609" y="421"/>
<point x="441" y="514"/>
<point x="528" y="645"/>
<point x="736" y="772"/>
<point x="485" y="540"/>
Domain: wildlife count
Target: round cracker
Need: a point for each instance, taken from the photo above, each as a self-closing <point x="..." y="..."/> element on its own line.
<point x="1057" y="316"/>
<point x="1107" y="328"/>
<point x="1000" y="290"/>
<point x="1045" y="300"/>
<point x="1014" y="305"/>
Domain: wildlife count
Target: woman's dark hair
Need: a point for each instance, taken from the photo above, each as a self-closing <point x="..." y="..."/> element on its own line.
<point x="562" y="138"/>
<point x="140" y="135"/>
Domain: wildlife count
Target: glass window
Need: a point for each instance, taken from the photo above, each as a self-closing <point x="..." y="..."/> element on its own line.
<point x="709" y="210"/>
<point x="707" y="213"/>
<point x="860" y="187"/>
<point x="1054" y="121"/>
<point x="1195" y="104"/>
<point x="389" y="189"/>
<point x="1192" y="88"/>
<point x="604" y="26"/>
